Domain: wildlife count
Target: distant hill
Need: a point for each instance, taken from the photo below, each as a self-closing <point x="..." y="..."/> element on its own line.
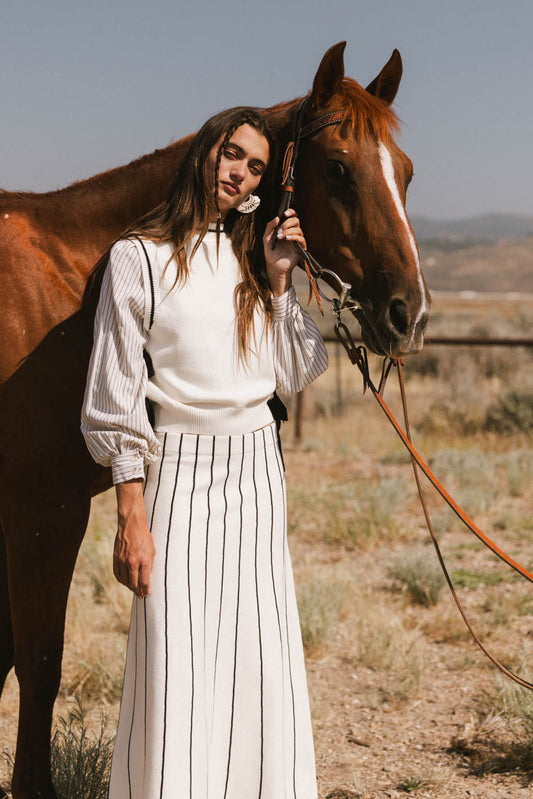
<point x="492" y="253"/>
<point x="487" y="229"/>
<point x="503" y="267"/>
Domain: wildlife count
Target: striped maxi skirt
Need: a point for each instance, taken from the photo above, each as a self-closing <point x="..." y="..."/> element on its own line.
<point x="215" y="704"/>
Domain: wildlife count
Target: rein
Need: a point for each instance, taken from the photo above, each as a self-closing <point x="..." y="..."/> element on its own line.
<point x="358" y="357"/>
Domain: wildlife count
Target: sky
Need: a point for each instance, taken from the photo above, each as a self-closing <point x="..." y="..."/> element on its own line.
<point x="87" y="86"/>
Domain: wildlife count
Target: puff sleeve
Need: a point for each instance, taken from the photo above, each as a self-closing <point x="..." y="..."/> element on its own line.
<point x="114" y="419"/>
<point x="300" y="354"/>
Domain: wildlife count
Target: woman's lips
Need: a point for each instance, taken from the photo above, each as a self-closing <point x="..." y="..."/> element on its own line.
<point x="231" y="188"/>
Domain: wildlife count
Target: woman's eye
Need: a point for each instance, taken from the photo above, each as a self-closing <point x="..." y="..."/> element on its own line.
<point x="336" y="170"/>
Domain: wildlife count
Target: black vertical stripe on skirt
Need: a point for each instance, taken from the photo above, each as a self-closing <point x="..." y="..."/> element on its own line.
<point x="165" y="703"/>
<point x="261" y="665"/>
<point x="190" y="611"/>
<point x="280" y="467"/>
<point x="208" y="520"/>
<point x="223" y="553"/>
<point x="236" y="630"/>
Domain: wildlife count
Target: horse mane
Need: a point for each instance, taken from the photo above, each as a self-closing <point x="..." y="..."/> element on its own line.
<point x="364" y="114"/>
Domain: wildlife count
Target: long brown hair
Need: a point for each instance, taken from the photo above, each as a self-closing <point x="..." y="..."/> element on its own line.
<point x="185" y="214"/>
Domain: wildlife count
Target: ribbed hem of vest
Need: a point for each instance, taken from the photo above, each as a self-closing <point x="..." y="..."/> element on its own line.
<point x="282" y="306"/>
<point x="212" y="421"/>
<point x="129" y="466"/>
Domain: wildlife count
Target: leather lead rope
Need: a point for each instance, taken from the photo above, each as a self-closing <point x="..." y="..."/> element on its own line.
<point x="358" y="357"/>
<point x="299" y="132"/>
<point x="520" y="680"/>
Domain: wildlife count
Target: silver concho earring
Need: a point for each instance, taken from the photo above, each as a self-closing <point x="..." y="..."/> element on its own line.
<point x="249" y="205"/>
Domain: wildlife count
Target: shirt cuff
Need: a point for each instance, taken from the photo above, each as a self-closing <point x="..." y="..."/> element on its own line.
<point x="129" y="466"/>
<point x="282" y="306"/>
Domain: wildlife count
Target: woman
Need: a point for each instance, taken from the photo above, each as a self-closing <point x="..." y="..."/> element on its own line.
<point x="214" y="703"/>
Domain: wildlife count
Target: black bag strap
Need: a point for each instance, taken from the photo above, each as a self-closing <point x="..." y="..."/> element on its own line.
<point x="279" y="411"/>
<point x="151" y="276"/>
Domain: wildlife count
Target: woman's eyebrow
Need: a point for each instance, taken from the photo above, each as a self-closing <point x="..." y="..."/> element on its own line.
<point x="242" y="152"/>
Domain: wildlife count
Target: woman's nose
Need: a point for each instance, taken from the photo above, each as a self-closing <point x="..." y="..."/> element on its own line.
<point x="237" y="170"/>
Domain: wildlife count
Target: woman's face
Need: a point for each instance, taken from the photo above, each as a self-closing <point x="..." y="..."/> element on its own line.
<point x="242" y="164"/>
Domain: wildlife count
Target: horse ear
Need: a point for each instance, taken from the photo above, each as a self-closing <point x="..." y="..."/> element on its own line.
<point x="386" y="84"/>
<point x="328" y="78"/>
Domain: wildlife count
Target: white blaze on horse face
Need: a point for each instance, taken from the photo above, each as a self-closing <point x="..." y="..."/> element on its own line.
<point x="390" y="179"/>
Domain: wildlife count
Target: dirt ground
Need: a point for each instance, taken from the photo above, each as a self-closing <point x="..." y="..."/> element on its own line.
<point x="443" y="736"/>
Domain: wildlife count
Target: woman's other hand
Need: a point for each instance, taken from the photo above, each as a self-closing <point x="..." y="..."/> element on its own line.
<point x="281" y="261"/>
<point x="134" y="549"/>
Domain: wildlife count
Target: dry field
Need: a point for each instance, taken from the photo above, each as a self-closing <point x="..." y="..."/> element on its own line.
<point x="402" y="700"/>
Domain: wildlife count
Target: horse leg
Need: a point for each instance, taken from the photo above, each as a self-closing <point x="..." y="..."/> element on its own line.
<point x="6" y="629"/>
<point x="42" y="545"/>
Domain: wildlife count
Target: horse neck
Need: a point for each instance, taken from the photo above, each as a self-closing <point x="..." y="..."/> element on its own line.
<point x="117" y="198"/>
<point x="105" y="204"/>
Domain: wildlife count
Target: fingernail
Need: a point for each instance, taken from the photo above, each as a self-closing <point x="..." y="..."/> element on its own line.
<point x="280" y="234"/>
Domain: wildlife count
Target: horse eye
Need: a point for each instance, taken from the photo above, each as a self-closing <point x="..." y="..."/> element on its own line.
<point x="336" y="170"/>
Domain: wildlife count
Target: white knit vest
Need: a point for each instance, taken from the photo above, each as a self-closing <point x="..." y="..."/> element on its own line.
<point x="199" y="384"/>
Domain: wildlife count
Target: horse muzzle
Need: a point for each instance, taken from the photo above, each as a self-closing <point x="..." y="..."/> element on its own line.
<point x="396" y="331"/>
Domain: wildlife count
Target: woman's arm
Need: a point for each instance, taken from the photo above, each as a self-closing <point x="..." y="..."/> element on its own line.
<point x="114" y="420"/>
<point x="134" y="550"/>
<point x="300" y="354"/>
<point x="281" y="261"/>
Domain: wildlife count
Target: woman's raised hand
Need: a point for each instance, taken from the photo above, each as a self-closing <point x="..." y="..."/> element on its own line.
<point x="281" y="260"/>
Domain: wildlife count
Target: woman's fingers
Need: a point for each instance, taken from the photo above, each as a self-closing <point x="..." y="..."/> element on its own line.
<point x="270" y="228"/>
<point x="133" y="569"/>
<point x="291" y="230"/>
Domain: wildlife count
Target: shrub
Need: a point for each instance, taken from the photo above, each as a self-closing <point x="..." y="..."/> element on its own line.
<point x="320" y="605"/>
<point x="512" y="412"/>
<point x="80" y="760"/>
<point x="421" y="575"/>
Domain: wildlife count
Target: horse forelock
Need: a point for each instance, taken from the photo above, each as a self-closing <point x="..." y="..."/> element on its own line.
<point x="364" y="114"/>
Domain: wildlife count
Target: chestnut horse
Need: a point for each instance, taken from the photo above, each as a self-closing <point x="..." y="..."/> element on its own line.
<point x="351" y="185"/>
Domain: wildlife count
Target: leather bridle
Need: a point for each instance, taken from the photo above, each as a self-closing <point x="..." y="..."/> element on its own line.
<point x="315" y="271"/>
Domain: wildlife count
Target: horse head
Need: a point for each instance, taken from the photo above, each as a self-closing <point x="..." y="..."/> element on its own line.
<point x="351" y="183"/>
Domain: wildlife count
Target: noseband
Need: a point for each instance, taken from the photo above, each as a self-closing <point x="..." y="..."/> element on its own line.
<point x="314" y="270"/>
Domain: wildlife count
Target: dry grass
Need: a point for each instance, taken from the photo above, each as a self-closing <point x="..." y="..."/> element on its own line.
<point x="385" y="644"/>
<point x="94" y="664"/>
<point x="418" y="572"/>
<point x="320" y="604"/>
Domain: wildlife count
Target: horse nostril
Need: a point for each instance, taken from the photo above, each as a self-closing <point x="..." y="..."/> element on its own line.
<point x="399" y="317"/>
<point x="423" y="323"/>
